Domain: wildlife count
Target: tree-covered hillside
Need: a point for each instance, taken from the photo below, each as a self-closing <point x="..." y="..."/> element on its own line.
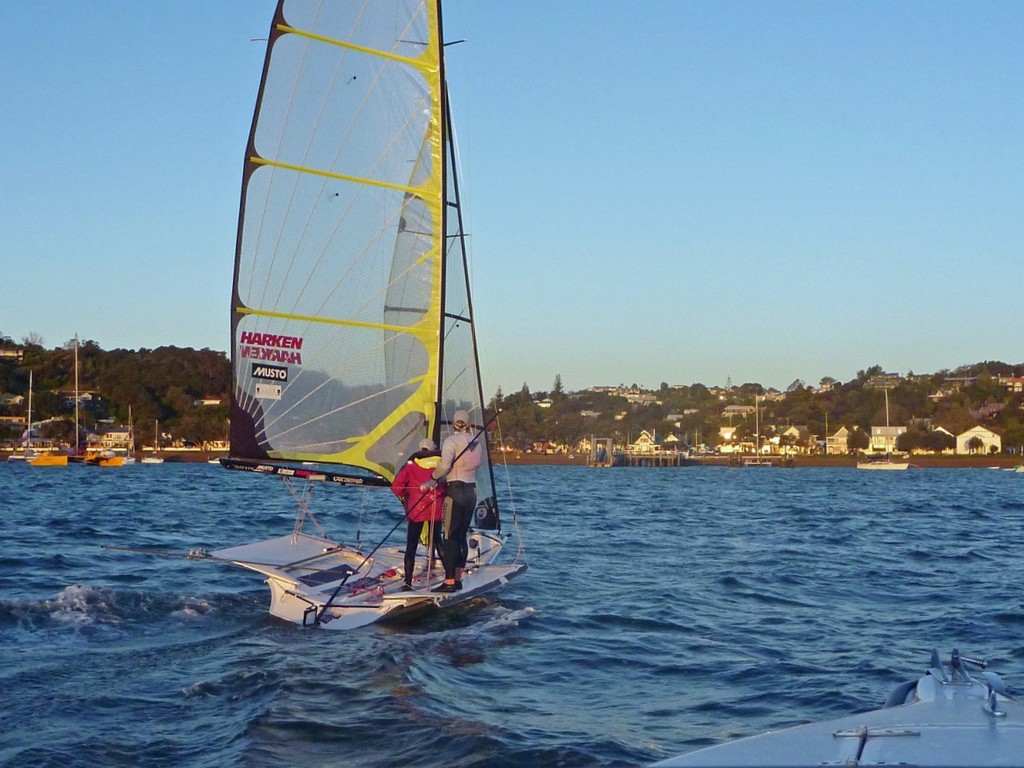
<point x="166" y="384"/>
<point x="983" y="393"/>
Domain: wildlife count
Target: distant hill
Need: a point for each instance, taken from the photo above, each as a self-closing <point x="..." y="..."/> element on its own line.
<point x="176" y="385"/>
<point x="172" y="383"/>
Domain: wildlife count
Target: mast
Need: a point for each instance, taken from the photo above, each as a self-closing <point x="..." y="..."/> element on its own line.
<point x="443" y="241"/>
<point x="757" y="427"/>
<point x="28" y="431"/>
<point x="76" y="396"/>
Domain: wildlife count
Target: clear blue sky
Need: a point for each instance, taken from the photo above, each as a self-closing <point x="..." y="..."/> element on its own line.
<point x="656" y="191"/>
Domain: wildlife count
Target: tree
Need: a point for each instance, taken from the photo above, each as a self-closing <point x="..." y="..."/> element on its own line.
<point x="858" y="440"/>
<point x="975" y="444"/>
<point x="1013" y="436"/>
<point x="938" y="440"/>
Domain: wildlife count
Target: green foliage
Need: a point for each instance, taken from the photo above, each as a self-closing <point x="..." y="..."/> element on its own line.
<point x="163" y="383"/>
<point x="858" y="440"/>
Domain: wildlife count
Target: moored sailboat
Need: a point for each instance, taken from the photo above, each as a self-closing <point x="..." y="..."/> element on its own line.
<point x="352" y="324"/>
<point x="886" y="462"/>
<point x="154" y="458"/>
<point x="47" y="457"/>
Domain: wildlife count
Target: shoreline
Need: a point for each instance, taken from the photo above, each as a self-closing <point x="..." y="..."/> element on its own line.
<point x="565" y="460"/>
<point x="916" y="462"/>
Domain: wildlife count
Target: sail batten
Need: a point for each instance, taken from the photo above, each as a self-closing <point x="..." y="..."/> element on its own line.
<point x="332" y="175"/>
<point x="338" y="320"/>
<point x="353" y="46"/>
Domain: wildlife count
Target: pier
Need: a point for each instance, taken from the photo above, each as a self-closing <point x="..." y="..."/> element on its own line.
<point x="602" y="454"/>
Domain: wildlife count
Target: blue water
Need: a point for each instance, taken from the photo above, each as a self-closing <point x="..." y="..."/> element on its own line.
<point x="664" y="610"/>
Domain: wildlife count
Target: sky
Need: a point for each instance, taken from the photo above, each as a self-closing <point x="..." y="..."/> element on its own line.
<point x="658" y="191"/>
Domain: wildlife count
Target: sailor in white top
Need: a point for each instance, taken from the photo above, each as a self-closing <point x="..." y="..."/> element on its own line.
<point x="461" y="455"/>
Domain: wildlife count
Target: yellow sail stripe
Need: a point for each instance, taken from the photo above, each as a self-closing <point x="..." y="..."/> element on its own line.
<point x="350" y="46"/>
<point x="333" y="321"/>
<point x="257" y="160"/>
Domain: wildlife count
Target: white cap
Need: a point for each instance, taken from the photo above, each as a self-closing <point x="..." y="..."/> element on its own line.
<point x="426" y="444"/>
<point x="461" y="419"/>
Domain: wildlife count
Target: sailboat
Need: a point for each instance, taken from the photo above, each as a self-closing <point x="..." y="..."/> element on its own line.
<point x="758" y="459"/>
<point x="352" y="326"/>
<point x="46" y="458"/>
<point x="127" y="454"/>
<point x="26" y="439"/>
<point x="154" y="458"/>
<point x="884" y="462"/>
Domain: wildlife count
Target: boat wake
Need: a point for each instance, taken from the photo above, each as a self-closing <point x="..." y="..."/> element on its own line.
<point x="83" y="606"/>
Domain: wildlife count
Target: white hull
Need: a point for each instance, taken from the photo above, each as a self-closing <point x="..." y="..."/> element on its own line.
<point x="306" y="573"/>
<point x="890" y="466"/>
<point x="951" y="719"/>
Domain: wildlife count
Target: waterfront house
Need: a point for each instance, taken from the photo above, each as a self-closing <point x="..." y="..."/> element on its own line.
<point x="991" y="441"/>
<point x="644" y="444"/>
<point x="837" y="443"/>
<point x="883" y="439"/>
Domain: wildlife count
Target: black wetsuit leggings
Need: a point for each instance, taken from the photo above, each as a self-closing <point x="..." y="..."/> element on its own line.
<point x="456" y="550"/>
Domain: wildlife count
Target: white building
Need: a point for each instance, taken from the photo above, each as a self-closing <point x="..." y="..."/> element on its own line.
<point x="992" y="442"/>
<point x="883" y="439"/>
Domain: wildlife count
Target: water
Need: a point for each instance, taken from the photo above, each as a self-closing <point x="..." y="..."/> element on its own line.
<point x="664" y="610"/>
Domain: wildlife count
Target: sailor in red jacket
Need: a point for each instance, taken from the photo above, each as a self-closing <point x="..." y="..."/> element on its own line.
<point x="420" y="506"/>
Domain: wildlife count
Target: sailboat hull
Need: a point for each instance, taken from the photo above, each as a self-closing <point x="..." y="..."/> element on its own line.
<point x="49" y="460"/>
<point x="884" y="466"/>
<point x="317" y="582"/>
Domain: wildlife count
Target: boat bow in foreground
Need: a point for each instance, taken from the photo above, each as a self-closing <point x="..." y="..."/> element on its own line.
<point x="947" y="718"/>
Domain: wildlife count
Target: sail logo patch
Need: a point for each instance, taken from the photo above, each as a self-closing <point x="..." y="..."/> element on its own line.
<point x="273" y="372"/>
<point x="268" y="391"/>
<point x="271" y="347"/>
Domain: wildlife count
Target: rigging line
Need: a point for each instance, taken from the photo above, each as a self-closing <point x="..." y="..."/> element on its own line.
<point x="344" y="579"/>
<point x="520" y="550"/>
<point x="304" y="511"/>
